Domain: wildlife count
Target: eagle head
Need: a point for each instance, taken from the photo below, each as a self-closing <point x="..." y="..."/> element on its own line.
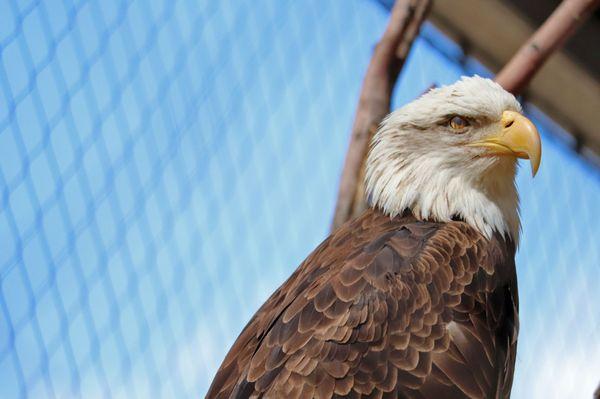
<point x="452" y="153"/>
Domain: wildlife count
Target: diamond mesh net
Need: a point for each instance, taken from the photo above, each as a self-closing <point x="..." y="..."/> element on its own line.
<point x="164" y="166"/>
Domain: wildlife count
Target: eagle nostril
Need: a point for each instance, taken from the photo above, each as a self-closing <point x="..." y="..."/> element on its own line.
<point x="509" y="124"/>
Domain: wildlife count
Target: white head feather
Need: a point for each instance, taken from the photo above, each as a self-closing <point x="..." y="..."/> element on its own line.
<point x="418" y="163"/>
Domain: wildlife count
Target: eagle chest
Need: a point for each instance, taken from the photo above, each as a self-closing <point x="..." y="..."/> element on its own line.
<point x="385" y="307"/>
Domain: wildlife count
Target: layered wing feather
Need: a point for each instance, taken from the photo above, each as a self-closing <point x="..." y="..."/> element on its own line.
<point x="394" y="308"/>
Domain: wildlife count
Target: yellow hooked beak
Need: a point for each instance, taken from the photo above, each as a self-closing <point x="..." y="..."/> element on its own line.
<point x="518" y="137"/>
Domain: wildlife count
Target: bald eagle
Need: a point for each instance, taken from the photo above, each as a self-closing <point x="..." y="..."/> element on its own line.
<point x="417" y="297"/>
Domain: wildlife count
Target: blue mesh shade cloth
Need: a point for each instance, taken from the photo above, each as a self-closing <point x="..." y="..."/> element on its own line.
<point x="164" y="166"/>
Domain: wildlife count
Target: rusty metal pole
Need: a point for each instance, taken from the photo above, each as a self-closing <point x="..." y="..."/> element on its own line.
<point x="553" y="33"/>
<point x="375" y="98"/>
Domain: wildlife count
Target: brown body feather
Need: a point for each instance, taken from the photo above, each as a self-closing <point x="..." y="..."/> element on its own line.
<point x="385" y="308"/>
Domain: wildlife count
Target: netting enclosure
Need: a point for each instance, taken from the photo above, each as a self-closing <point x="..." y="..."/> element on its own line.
<point x="164" y="166"/>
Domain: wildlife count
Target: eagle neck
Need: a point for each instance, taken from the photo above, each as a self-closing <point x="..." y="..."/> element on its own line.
<point x="489" y="203"/>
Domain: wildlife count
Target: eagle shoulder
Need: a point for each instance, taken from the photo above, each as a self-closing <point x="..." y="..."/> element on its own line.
<point x="383" y="308"/>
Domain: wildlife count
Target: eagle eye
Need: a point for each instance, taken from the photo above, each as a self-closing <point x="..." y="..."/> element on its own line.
<point x="458" y="123"/>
